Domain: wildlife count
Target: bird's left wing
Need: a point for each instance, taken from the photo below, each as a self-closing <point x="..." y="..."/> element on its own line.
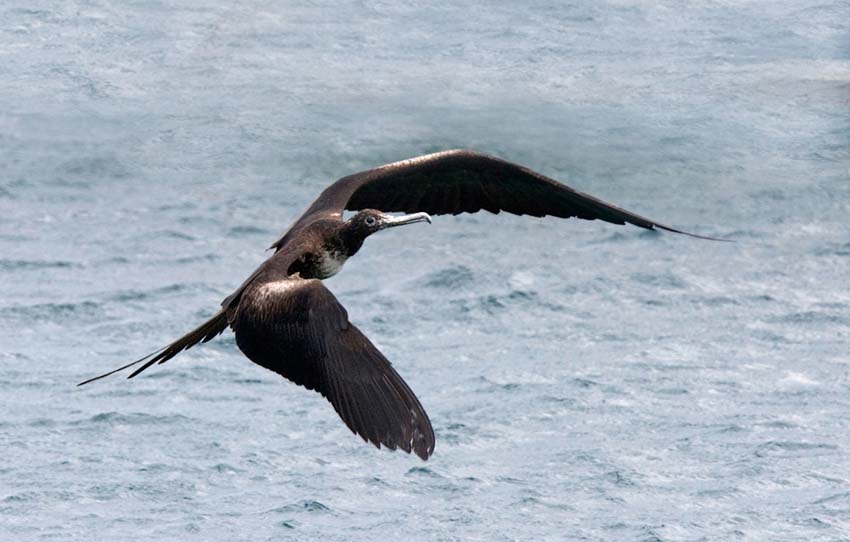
<point x="463" y="181"/>
<point x="297" y="328"/>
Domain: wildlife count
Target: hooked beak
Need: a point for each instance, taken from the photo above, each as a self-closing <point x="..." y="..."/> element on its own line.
<point x="390" y="221"/>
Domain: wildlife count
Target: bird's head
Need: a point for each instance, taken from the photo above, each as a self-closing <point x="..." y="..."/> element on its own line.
<point x="368" y="221"/>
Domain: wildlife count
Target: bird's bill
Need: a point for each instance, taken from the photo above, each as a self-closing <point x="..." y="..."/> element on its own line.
<point x="390" y="221"/>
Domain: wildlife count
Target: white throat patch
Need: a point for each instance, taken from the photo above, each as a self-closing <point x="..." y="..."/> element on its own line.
<point x="330" y="263"/>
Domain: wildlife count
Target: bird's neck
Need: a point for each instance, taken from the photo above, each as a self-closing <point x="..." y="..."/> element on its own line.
<point x="334" y="253"/>
<point x="347" y="240"/>
<point x="328" y="252"/>
<point x="327" y="259"/>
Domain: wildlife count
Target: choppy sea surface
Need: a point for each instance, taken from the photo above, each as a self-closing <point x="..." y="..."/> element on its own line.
<point x="586" y="381"/>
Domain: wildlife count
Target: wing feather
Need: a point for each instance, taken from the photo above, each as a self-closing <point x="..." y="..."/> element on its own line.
<point x="463" y="181"/>
<point x="297" y="328"/>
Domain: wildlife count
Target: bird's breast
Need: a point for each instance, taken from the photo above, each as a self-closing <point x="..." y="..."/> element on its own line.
<point x="329" y="263"/>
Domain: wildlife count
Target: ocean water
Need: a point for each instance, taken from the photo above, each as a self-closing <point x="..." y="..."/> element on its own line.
<point x="586" y="381"/>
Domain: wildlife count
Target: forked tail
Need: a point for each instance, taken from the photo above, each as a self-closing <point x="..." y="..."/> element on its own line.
<point x="201" y="334"/>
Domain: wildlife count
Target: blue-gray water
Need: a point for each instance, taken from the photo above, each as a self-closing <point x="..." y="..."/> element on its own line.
<point x="586" y="381"/>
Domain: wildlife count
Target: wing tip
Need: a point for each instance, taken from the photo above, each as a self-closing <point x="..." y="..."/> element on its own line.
<point x="689" y="234"/>
<point x="425" y="452"/>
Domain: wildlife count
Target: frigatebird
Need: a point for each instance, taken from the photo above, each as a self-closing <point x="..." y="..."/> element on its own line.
<point x="286" y="320"/>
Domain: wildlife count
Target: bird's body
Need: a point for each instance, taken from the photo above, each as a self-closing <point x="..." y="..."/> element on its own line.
<point x="286" y="320"/>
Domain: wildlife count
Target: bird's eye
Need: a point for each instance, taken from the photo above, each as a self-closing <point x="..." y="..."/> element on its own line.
<point x="370" y="220"/>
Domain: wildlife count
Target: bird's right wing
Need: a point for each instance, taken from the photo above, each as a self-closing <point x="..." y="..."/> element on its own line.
<point x="297" y="328"/>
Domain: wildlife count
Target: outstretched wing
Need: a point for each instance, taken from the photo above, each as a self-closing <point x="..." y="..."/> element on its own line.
<point x="462" y="181"/>
<point x="297" y="328"/>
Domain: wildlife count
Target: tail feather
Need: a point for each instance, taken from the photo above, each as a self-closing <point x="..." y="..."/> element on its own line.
<point x="201" y="334"/>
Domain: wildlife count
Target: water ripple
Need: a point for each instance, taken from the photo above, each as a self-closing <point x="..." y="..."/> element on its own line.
<point x="305" y="506"/>
<point x="54" y="311"/>
<point x="450" y="278"/>
<point x="30" y="265"/>
<point x="134" y="418"/>
<point x="793" y="449"/>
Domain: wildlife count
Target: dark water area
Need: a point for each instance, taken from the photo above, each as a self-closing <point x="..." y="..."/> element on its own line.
<point x="586" y="381"/>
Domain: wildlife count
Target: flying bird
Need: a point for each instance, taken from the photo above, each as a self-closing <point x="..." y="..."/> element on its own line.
<point x="287" y="321"/>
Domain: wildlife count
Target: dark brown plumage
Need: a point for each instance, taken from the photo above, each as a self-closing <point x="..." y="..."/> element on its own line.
<point x="287" y="321"/>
